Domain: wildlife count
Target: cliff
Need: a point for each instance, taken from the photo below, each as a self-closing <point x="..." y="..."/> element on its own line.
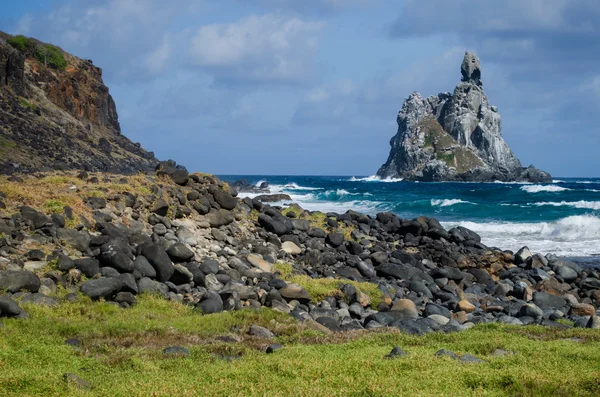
<point x="454" y="137"/>
<point x="56" y="113"/>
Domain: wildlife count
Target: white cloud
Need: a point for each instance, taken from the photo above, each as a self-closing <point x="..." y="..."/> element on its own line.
<point x="267" y="47"/>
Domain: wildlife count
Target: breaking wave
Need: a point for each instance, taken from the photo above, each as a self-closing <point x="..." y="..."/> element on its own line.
<point x="448" y="202"/>
<point x="543" y="188"/>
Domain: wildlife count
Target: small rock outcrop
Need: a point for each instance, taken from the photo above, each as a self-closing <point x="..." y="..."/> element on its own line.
<point x="454" y="137"/>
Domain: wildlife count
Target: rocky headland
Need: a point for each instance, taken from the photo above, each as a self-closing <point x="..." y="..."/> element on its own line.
<point x="454" y="137"/>
<point x="57" y="114"/>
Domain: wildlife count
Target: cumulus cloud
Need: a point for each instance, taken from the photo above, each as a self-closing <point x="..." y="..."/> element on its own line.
<point x="117" y="33"/>
<point x="257" y="48"/>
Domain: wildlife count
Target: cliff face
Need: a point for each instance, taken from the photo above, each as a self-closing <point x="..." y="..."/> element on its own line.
<point x="454" y="136"/>
<point x="56" y="113"/>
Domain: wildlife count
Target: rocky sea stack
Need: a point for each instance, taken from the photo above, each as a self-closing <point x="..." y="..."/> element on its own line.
<point x="454" y="137"/>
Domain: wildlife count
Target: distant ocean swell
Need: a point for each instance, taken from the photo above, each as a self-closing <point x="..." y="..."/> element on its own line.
<point x="561" y="218"/>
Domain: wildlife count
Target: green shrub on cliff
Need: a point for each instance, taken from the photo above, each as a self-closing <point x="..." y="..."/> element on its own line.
<point x="51" y="56"/>
<point x="20" y="42"/>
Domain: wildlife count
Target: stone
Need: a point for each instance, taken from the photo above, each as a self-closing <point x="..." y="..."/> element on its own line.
<point x="295" y="292"/>
<point x="104" y="287"/>
<point x="273" y="348"/>
<point x="144" y="267"/>
<point x="446" y="353"/>
<point x="178" y="252"/>
<point x="160" y="207"/>
<point x="567" y="274"/>
<point x="176" y="351"/>
<point x="469" y="359"/>
<point x="76" y="381"/>
<point x="160" y="261"/>
<point x="261" y="332"/>
<point x="180" y="177"/>
<point x="224" y="199"/>
<point x="16" y="281"/>
<point x="211" y="305"/>
<point x="530" y="310"/>
<point x="291" y="248"/>
<point x="335" y="239"/>
<point x="39" y="299"/>
<point x="218" y="218"/>
<point x="405" y="308"/>
<point x="75" y="342"/>
<point x="8" y="307"/>
<point x="594" y="322"/>
<point x="466" y="306"/>
<point x="114" y="254"/>
<point x="583" y="309"/>
<point x="395" y="353"/>
<point x="260" y="263"/>
<point x="329" y="323"/>
<point x="545" y="300"/>
<point x="441" y="320"/>
<point x="522" y="255"/>
<point x="80" y="240"/>
<point x="88" y="266"/>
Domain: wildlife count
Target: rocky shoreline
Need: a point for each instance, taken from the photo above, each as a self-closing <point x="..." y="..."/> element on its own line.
<point x="188" y="238"/>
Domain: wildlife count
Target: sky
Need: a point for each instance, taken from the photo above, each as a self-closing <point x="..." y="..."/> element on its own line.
<point x="313" y="87"/>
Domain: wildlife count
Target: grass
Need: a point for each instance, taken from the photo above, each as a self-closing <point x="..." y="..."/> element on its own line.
<point x="6" y="144"/>
<point x="26" y="104"/>
<point x="121" y="355"/>
<point x="319" y="289"/>
<point x="53" y="192"/>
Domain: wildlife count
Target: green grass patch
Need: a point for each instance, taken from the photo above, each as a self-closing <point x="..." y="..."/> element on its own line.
<point x="321" y="288"/>
<point x="285" y="269"/>
<point x="121" y="356"/>
<point x="24" y="103"/>
<point x="6" y="144"/>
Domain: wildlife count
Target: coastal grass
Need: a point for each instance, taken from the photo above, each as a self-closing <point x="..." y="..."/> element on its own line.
<point x="51" y="193"/>
<point x="320" y="288"/>
<point x="121" y="355"/>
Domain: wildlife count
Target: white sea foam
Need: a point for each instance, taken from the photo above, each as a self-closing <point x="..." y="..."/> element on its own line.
<point x="259" y="183"/>
<point x="510" y="183"/>
<point x="374" y="178"/>
<point x="290" y="186"/>
<point x="543" y="188"/>
<point x="448" y="202"/>
<point x="590" y="205"/>
<point x="558" y="181"/>
<point x="571" y="236"/>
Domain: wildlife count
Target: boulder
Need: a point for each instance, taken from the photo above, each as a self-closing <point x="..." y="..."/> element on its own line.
<point x="295" y="292"/>
<point x="105" y="287"/>
<point x="160" y="261"/>
<point x="178" y="252"/>
<point x="19" y="280"/>
<point x="8" y="307"/>
<point x="405" y="308"/>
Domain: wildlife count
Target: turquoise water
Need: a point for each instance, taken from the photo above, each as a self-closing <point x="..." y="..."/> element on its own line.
<point x="561" y="218"/>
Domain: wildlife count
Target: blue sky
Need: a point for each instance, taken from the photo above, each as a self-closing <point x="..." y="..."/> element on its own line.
<point x="312" y="87"/>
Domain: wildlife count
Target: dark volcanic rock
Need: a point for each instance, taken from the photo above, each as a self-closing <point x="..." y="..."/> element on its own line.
<point x="159" y="260"/>
<point x="104" y="287"/>
<point x="15" y="281"/>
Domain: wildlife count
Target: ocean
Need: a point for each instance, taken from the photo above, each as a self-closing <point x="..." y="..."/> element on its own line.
<point x="561" y="218"/>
